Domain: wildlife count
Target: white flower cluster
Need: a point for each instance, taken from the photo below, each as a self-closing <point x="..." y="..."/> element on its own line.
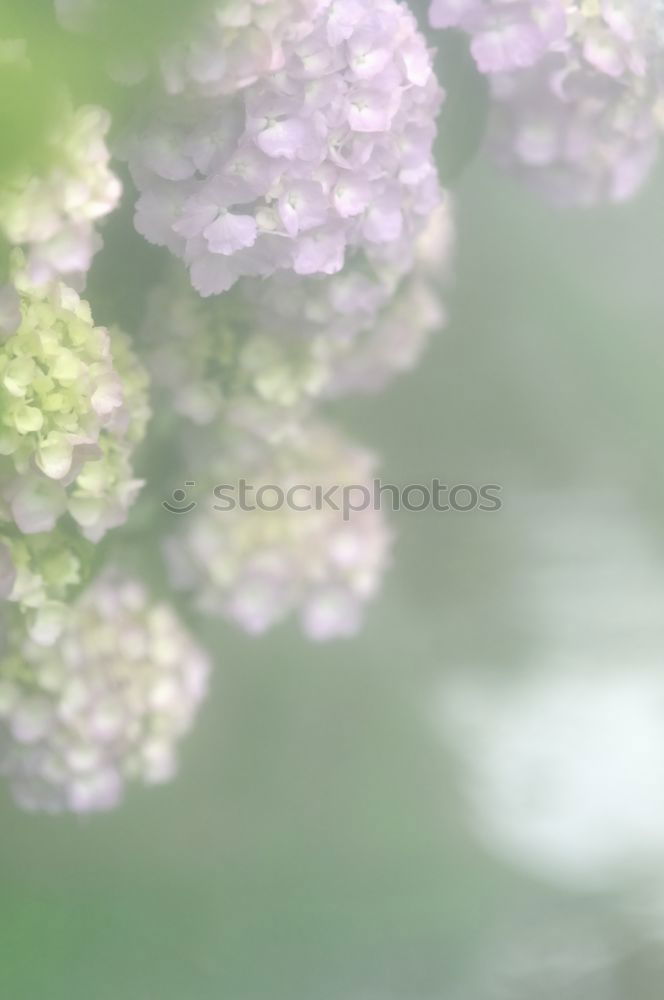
<point x="73" y="406"/>
<point x="106" y="705"/>
<point x="262" y="355"/>
<point x="258" y="566"/>
<point x="52" y="214"/>
<point x="329" y="152"/>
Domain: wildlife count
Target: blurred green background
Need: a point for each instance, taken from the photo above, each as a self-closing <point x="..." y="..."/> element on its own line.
<point x="317" y="843"/>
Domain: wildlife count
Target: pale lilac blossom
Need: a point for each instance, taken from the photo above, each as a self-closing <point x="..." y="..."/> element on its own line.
<point x="505" y="34"/>
<point x="576" y="90"/>
<point x="576" y="136"/>
<point x="263" y="356"/>
<point x="324" y="153"/>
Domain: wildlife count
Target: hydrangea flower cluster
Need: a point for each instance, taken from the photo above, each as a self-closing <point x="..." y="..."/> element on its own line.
<point x="38" y="576"/>
<point x="73" y="406"/>
<point x="505" y="34"/>
<point x="395" y="342"/>
<point x="107" y="704"/>
<point x="328" y="153"/>
<point x="261" y="356"/>
<point x="612" y="36"/>
<point x="576" y="87"/>
<point x="235" y="43"/>
<point x="583" y="126"/>
<point x="258" y="566"/>
<point x="265" y="355"/>
<point x="106" y="488"/>
<point x="52" y="215"/>
<point x="593" y="139"/>
<point x="240" y="41"/>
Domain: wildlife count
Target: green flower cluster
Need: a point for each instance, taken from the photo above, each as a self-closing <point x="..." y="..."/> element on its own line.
<point x="73" y="407"/>
<point x="216" y="361"/>
<point x="51" y="214"/>
<point x="38" y="575"/>
<point x="104" y="491"/>
<point x="58" y="387"/>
